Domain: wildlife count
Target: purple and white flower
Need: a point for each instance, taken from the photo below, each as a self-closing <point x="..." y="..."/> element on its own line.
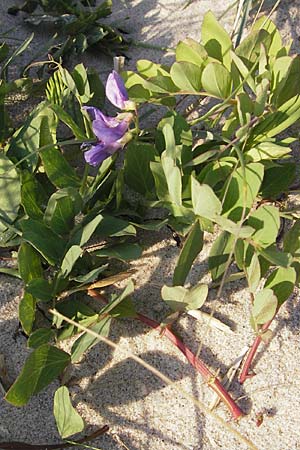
<point x="116" y="91"/>
<point x="110" y="132"/>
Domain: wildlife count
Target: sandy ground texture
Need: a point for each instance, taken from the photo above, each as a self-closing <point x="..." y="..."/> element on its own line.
<point x="109" y="388"/>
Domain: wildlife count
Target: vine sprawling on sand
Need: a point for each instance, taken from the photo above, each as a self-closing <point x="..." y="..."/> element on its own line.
<point x="71" y="221"/>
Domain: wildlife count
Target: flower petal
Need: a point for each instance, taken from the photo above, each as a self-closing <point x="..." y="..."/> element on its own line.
<point x="115" y="90"/>
<point x="109" y="134"/>
<point x="98" y="153"/>
<point x="98" y="115"/>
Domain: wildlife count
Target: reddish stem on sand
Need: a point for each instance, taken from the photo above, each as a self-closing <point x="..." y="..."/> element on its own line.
<point x="251" y="354"/>
<point x="211" y="380"/>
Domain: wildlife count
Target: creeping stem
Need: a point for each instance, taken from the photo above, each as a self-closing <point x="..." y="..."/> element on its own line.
<point x="210" y="379"/>
<point x="251" y="354"/>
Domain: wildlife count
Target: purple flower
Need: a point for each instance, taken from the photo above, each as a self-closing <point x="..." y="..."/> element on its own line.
<point x="116" y="91"/>
<point x="110" y="132"/>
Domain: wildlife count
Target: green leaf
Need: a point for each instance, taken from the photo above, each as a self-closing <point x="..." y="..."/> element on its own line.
<point x="279" y="72"/>
<point x="191" y="248"/>
<point x="265" y="220"/>
<point x="276" y="257"/>
<point x="278" y="121"/>
<point x="191" y="51"/>
<point x="97" y="89"/>
<point x="161" y="187"/>
<point x="77" y="311"/>
<point x="42" y="366"/>
<point x="124" y="252"/>
<point x="30" y="268"/>
<point x="253" y="273"/>
<point x="173" y="178"/>
<point x="10" y="188"/>
<point x="4" y="50"/>
<point x="29" y="263"/>
<point x="179" y="134"/>
<point x="44" y="240"/>
<point x="69" y="260"/>
<point x="282" y="282"/>
<point x="18" y="51"/>
<point x="262" y="95"/>
<point x="90" y="276"/>
<point x="264" y="306"/>
<point x="10" y="271"/>
<point x="264" y="23"/>
<point x="27" y="312"/>
<point x="69" y="121"/>
<point x="138" y="175"/>
<point x="216" y="172"/>
<point x="180" y="298"/>
<point x="114" y="227"/>
<point x="249" y="49"/>
<point x="26" y="140"/>
<point x="233" y="228"/>
<point x="124" y="310"/>
<point x="40" y="337"/>
<point x="58" y="170"/>
<point x="236" y="196"/>
<point x="291" y="241"/>
<point x="246" y="75"/>
<point x="61" y="210"/>
<point x="205" y="202"/>
<point x="187" y="76"/>
<point x="219" y="254"/>
<point x="68" y="420"/>
<point x="169" y="166"/>
<point x="40" y="289"/>
<point x="151" y="225"/>
<point x="216" y="80"/>
<point x="267" y="151"/>
<point x="80" y="77"/>
<point x="32" y="196"/>
<point x="86" y="341"/>
<point x="216" y="40"/>
<point x="149" y="69"/>
<point x="86" y="231"/>
<point x="277" y="180"/>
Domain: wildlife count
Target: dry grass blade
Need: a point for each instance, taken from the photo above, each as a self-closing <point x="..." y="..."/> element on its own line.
<point x="229" y="376"/>
<point x="210" y="320"/>
<point x="111" y="280"/>
<point x="242" y="439"/>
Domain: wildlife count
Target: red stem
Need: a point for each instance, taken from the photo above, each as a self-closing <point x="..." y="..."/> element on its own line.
<point x="211" y="380"/>
<point x="251" y="354"/>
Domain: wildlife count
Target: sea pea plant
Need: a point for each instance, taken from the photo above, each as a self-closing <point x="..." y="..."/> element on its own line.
<point x="231" y="177"/>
